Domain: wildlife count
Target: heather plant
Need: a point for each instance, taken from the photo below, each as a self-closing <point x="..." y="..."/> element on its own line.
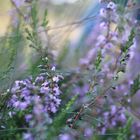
<point x="95" y="100"/>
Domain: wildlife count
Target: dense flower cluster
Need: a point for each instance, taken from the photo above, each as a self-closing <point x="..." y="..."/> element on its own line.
<point x="44" y="87"/>
<point x="39" y="119"/>
<point x="135" y="131"/>
<point x="106" y="54"/>
<point x="115" y="117"/>
<point x="38" y="98"/>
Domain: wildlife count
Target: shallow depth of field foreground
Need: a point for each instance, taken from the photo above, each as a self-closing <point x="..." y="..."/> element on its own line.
<point x="70" y="70"/>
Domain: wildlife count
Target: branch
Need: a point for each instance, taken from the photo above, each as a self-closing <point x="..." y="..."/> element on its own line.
<point x="70" y="24"/>
<point x="18" y="10"/>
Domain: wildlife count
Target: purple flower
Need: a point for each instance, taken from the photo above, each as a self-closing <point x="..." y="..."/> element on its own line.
<point x="45" y="84"/>
<point x="56" y="91"/>
<point x="65" y="137"/>
<point x="38" y="109"/>
<point x="103" y="12"/>
<point x="23" y="105"/>
<point x="25" y="92"/>
<point x="44" y="90"/>
<point x="53" y="107"/>
<point x="55" y="79"/>
<point x="28" y="117"/>
<point x="28" y="136"/>
<point x="122" y="118"/>
<point x="81" y="90"/>
<point x="113" y="110"/>
<point x="53" y="68"/>
<point x="18" y="3"/>
<point x="57" y="102"/>
<point x="113" y="118"/>
<point x="88" y="133"/>
<point x="16" y="104"/>
<point x="111" y="5"/>
<point x="39" y="79"/>
<point x="136" y="129"/>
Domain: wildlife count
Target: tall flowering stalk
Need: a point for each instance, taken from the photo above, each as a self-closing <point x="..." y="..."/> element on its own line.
<point x="37" y="99"/>
<point x="105" y="60"/>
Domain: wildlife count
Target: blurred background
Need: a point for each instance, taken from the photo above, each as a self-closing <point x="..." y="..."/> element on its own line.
<point x="59" y="11"/>
<point x="70" y="23"/>
<point x="77" y="16"/>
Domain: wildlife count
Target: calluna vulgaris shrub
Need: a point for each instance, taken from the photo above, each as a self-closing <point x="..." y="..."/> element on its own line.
<point x="97" y="100"/>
